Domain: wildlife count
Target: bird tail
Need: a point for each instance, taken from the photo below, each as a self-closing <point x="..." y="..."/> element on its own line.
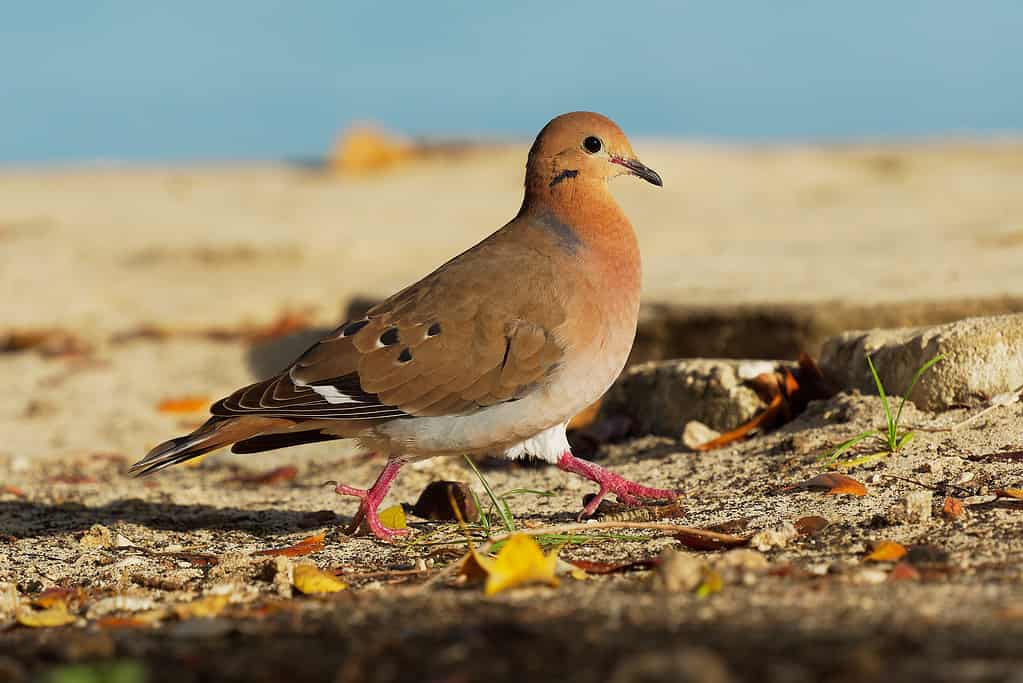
<point x="216" y="433"/>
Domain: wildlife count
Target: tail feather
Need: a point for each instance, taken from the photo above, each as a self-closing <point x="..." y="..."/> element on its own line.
<point x="215" y="433"/>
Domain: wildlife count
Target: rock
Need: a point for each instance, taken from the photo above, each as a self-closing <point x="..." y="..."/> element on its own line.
<point x="915" y="508"/>
<point x="98" y="536"/>
<point x="678" y="572"/>
<point x="741" y="566"/>
<point x="776" y="537"/>
<point x="697" y="433"/>
<point x="8" y="601"/>
<point x="982" y="359"/>
<point x="662" y="397"/>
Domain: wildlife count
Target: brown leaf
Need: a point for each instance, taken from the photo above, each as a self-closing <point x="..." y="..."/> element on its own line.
<point x="435" y="502"/>
<point x="183" y="404"/>
<point x="811" y="526"/>
<point x="832" y="482"/>
<point x="887" y="551"/>
<point x="12" y="490"/>
<point x="277" y="475"/>
<point x="765" y="418"/>
<point x="904" y="572"/>
<point x="74" y="479"/>
<point x="702" y="539"/>
<point x="306" y="546"/>
<point x="952" y="508"/>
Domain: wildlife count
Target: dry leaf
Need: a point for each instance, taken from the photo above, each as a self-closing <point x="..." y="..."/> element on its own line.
<point x="393" y="517"/>
<point x="311" y="581"/>
<point x="904" y="572"/>
<point x="832" y="482"/>
<point x="519" y="562"/>
<point x="740" y="432"/>
<point x="12" y="490"/>
<point x="1010" y="493"/>
<point x="471" y="566"/>
<point x="185" y="404"/>
<point x="122" y="622"/>
<point x="275" y="476"/>
<point x="308" y="545"/>
<point x="203" y="608"/>
<point x="952" y="508"/>
<point x="54" y="615"/>
<point x="887" y="551"/>
<point x="809" y="526"/>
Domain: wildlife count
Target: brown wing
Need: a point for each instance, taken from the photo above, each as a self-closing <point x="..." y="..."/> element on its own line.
<point x="435" y="348"/>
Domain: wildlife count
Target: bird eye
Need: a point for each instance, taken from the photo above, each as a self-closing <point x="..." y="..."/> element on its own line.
<point x="592" y="145"/>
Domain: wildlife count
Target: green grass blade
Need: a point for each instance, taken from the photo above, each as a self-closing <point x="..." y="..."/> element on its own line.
<point x="502" y="510"/>
<point x="846" y="445"/>
<point x="919" y="373"/>
<point x="906" y="438"/>
<point x="884" y="401"/>
<point x="533" y="492"/>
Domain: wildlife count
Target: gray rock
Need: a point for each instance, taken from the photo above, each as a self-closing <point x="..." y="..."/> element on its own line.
<point x="983" y="357"/>
<point x="915" y="508"/>
<point x="662" y="397"/>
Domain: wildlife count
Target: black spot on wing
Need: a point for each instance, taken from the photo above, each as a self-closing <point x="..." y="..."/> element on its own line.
<point x="389" y="337"/>
<point x="434" y="330"/>
<point x="405" y="356"/>
<point x="353" y="328"/>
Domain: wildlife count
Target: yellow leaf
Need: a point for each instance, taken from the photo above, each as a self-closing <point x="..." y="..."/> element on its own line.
<point x="520" y="561"/>
<point x="887" y="551"/>
<point x="393" y="517"/>
<point x="203" y="608"/>
<point x="310" y="580"/>
<point x="471" y="566"/>
<point x="1010" y="493"/>
<point x="712" y="583"/>
<point x="55" y="615"/>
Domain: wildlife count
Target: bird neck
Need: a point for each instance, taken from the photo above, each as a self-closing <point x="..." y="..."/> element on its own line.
<point x="587" y="212"/>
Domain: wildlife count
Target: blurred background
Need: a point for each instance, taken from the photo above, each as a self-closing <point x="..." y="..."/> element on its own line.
<point x="190" y="192"/>
<point x="275" y="80"/>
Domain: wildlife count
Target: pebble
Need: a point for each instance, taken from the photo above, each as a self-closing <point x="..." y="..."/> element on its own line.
<point x="915" y="508"/>
<point x="776" y="537"/>
<point x="696" y="433"/>
<point x="678" y="572"/>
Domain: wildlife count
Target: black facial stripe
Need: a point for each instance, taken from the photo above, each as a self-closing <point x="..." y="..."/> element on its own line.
<point x="562" y="176"/>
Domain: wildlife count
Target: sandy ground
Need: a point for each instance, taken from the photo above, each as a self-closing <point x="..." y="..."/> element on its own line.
<point x="104" y="252"/>
<point x="109" y="248"/>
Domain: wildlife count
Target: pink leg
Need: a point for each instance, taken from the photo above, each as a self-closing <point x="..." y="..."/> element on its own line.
<point x="609" y="482"/>
<point x="371" y="499"/>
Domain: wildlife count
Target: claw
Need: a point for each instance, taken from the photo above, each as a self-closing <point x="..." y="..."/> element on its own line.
<point x="371" y="499"/>
<point x="628" y="492"/>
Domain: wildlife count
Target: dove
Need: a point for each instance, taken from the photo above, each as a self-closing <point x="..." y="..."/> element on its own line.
<point x="491" y="353"/>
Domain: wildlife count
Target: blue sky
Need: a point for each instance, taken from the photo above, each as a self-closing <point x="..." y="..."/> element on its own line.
<point x="120" y="79"/>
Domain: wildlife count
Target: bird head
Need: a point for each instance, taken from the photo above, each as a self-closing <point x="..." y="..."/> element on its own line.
<point x="583" y="147"/>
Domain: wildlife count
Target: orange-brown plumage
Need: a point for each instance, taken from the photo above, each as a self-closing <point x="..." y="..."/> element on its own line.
<point x="493" y="351"/>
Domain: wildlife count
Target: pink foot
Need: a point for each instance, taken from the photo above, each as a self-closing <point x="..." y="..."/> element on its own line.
<point x="609" y="482"/>
<point x="371" y="499"/>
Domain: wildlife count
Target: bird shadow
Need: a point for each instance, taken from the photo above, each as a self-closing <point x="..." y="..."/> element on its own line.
<point x="31" y="519"/>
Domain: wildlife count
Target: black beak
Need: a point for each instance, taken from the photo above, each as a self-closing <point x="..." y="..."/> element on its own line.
<point x="638" y="169"/>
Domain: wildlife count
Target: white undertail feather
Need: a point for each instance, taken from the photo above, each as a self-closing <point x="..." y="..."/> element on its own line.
<point x="548" y="445"/>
